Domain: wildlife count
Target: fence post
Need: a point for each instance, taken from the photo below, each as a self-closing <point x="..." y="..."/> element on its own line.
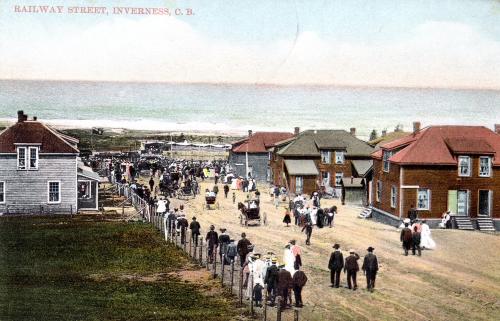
<point x="201" y="251"/>
<point x="165" y="227"/>
<point x="240" y="291"/>
<point x="223" y="261"/>
<point x="195" y="247"/>
<point x="265" y="305"/>
<point x="207" y="257"/>
<point x="278" y="313"/>
<point x="214" y="259"/>
<point x="190" y="242"/>
<point x="232" y="276"/>
<point x="251" y="293"/>
<point x="296" y="315"/>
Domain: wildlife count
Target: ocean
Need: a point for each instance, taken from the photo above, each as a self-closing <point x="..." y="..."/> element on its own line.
<point x="234" y="109"/>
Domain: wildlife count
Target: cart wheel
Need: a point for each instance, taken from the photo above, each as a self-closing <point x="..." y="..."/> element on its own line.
<point x="246" y="222"/>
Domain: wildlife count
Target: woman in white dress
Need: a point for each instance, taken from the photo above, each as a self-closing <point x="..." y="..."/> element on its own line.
<point x="289" y="259"/>
<point x="426" y="241"/>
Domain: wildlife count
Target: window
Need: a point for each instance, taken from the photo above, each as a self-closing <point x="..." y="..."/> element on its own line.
<point x="326" y="156"/>
<point x="33" y="157"/>
<point x="423" y="199"/>
<point x="21" y="158"/>
<point x="84" y="190"/>
<point x="338" y="178"/>
<point x="385" y="157"/>
<point x="484" y="166"/>
<point x="325" y="178"/>
<point x="379" y="191"/>
<point x="463" y="166"/>
<point x="339" y="157"/>
<point x="299" y="185"/>
<point x="54" y="192"/>
<point x="2" y="192"/>
<point x="394" y="196"/>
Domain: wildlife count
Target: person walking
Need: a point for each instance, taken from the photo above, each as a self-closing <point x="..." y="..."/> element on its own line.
<point x="271" y="280"/>
<point x="308" y="228"/>
<point x="212" y="239"/>
<point x="226" y="190"/>
<point x="195" y="230"/>
<point x="182" y="224"/>
<point x="298" y="282"/>
<point x="351" y="267"/>
<point x="285" y="282"/>
<point x="287" y="219"/>
<point x="224" y="241"/>
<point x="406" y="238"/>
<point x="234" y="198"/>
<point x="416" y="237"/>
<point x="151" y="183"/>
<point x="243" y="248"/>
<point x="370" y="268"/>
<point x="335" y="265"/>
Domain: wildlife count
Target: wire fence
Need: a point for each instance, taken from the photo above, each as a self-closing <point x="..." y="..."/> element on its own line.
<point x="228" y="271"/>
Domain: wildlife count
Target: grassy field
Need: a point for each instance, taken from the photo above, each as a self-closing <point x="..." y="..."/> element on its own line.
<point x="55" y="268"/>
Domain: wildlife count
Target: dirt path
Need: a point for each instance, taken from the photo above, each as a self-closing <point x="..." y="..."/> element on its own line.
<point x="460" y="280"/>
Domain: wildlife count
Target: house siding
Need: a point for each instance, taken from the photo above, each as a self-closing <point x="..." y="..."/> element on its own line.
<point x="258" y="161"/>
<point x="439" y="179"/>
<point x="27" y="191"/>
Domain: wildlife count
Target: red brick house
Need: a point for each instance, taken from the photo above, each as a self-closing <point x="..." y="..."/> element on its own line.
<point x="436" y="169"/>
<point x="317" y="158"/>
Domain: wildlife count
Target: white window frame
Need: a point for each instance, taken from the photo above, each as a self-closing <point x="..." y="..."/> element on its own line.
<point x="25" y="149"/>
<point x="328" y="179"/>
<point x="468" y="167"/>
<point x="59" y="192"/>
<point x="385" y="161"/>
<point x="328" y="157"/>
<point x="489" y="166"/>
<point x="2" y="191"/>
<point x="378" y="194"/>
<point x="428" y="205"/>
<point x="394" y="196"/>
<point x="89" y="187"/>
<point x="338" y="178"/>
<point x="28" y="163"/>
<point x="339" y="157"/>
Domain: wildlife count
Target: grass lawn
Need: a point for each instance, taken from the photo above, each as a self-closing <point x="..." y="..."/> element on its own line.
<point x="57" y="268"/>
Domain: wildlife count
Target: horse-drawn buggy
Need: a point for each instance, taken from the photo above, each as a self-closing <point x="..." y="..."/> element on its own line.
<point x="186" y="192"/>
<point x="211" y="203"/>
<point x="250" y="213"/>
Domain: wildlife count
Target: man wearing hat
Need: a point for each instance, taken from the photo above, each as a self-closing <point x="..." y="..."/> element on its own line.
<point x="212" y="239"/>
<point x="370" y="268"/>
<point x="243" y="249"/>
<point x="335" y="265"/>
<point x="195" y="230"/>
<point x="224" y="241"/>
<point x="272" y="280"/>
<point x="285" y="283"/>
<point x="299" y="280"/>
<point x="182" y="224"/>
<point x="352" y="268"/>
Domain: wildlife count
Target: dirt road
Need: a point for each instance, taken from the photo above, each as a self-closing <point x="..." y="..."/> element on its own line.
<point x="460" y="280"/>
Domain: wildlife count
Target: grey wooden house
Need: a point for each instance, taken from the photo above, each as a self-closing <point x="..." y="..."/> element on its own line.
<point x="38" y="169"/>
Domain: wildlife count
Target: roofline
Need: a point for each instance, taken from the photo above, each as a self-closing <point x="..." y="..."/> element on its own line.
<point x="59" y="136"/>
<point x="86" y="176"/>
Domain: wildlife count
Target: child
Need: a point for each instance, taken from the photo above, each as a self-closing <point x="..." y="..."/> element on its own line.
<point x="234" y="198"/>
<point x="257" y="294"/>
<point x="287" y="220"/>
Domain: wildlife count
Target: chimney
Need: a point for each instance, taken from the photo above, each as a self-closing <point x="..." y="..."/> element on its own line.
<point x="249" y="133"/>
<point x="296" y="131"/>
<point x="353" y="131"/>
<point x="20" y="116"/>
<point x="416" y="127"/>
<point x="35" y="118"/>
<point x="352" y="179"/>
<point x="497" y="129"/>
<point x="384" y="133"/>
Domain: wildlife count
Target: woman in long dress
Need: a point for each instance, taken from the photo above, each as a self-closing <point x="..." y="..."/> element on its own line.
<point x="289" y="259"/>
<point x="426" y="241"/>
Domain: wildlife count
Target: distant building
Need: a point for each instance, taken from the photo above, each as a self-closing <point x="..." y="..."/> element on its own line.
<point x="439" y="168"/>
<point x="257" y="149"/>
<point x="39" y="169"/>
<point x="316" y="158"/>
<point x="387" y="137"/>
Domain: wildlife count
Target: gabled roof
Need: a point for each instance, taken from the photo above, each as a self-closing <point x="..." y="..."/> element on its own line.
<point x="310" y="142"/>
<point x="34" y="132"/>
<point x="259" y="142"/>
<point x="362" y="166"/>
<point x="389" y="137"/>
<point x="440" y="145"/>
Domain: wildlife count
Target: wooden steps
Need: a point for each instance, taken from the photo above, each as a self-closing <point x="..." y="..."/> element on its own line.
<point x="485" y="224"/>
<point x="464" y="223"/>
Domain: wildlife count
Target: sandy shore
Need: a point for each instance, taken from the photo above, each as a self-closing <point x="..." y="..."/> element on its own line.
<point x="460" y="280"/>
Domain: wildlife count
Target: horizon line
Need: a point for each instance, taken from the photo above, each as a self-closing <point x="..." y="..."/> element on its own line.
<point x="263" y="84"/>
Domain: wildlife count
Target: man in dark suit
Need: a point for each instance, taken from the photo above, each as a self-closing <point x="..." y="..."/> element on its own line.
<point x="335" y="265"/>
<point x="370" y="268"/>
<point x="351" y="267"/>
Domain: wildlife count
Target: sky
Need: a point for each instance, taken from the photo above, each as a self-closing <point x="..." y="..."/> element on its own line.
<point x="403" y="43"/>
